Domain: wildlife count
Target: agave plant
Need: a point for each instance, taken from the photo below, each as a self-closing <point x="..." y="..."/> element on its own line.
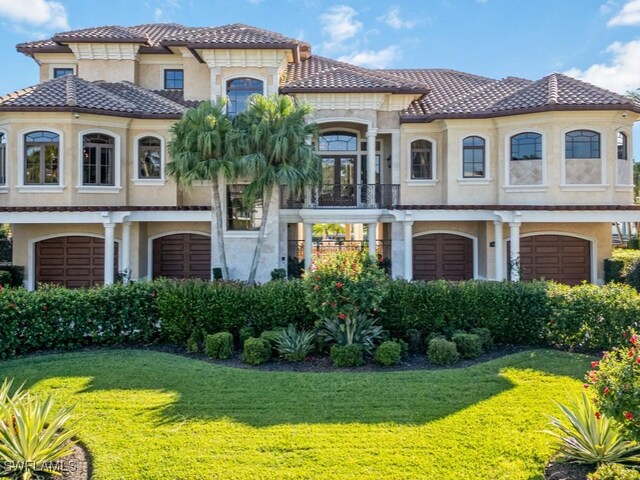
<point x="360" y="329"/>
<point x="586" y="436"/>
<point x="294" y="345"/>
<point x="31" y="436"/>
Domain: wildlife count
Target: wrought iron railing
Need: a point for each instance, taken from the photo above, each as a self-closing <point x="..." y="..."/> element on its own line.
<point x="342" y="196"/>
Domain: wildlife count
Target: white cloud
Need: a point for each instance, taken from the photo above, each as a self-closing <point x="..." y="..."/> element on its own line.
<point x="157" y="14"/>
<point x="47" y="14"/>
<point x="608" y="7"/>
<point x="621" y="74"/>
<point x="374" y="58"/>
<point x="339" y="24"/>
<point x="629" y="15"/>
<point x="393" y="19"/>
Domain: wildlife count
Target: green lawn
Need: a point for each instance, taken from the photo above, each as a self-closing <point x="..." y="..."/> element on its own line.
<point x="151" y="415"/>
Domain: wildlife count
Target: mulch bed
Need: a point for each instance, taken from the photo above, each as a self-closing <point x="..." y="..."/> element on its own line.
<point x="77" y="466"/>
<point x="567" y="471"/>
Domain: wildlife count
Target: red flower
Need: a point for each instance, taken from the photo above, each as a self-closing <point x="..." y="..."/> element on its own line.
<point x="339" y="285"/>
<point x="631" y="353"/>
<point x="585" y="385"/>
<point x="634" y="340"/>
<point x="594" y="364"/>
<point x="638" y="360"/>
<point x="628" y="415"/>
<point x="598" y="415"/>
<point x="342" y="316"/>
<point x="606" y="390"/>
<point x="592" y="376"/>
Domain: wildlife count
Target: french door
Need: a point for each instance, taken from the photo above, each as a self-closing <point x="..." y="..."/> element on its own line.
<point x="338" y="181"/>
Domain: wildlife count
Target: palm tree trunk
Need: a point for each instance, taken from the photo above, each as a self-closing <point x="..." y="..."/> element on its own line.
<point x="219" y="233"/>
<point x="266" y="201"/>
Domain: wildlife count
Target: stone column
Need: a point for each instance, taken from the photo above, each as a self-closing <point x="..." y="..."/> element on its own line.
<point x="499" y="249"/>
<point x="408" y="250"/>
<point x="109" y="252"/>
<point x="308" y="244"/>
<point x="371" y="156"/>
<point x="126" y="251"/>
<point x="371" y="237"/>
<point x="514" y="257"/>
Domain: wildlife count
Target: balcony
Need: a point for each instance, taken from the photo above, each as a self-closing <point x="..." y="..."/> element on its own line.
<point x="342" y="196"/>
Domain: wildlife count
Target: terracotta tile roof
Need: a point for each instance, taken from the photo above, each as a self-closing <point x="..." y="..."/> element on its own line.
<point x="178" y="97"/>
<point x="233" y="34"/>
<point x="108" y="33"/>
<point x="319" y="74"/>
<point x="71" y="93"/>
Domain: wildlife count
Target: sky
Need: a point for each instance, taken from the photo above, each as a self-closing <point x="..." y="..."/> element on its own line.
<point x="593" y="40"/>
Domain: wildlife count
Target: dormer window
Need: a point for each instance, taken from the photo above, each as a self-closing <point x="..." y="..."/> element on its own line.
<point x="238" y="92"/>
<point x="61" y="72"/>
<point x="174" y="79"/>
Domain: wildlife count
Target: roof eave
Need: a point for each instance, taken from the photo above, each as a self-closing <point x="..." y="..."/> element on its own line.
<point x="94" y="111"/>
<point x="67" y="40"/>
<point x="399" y="91"/>
<point x="49" y="49"/>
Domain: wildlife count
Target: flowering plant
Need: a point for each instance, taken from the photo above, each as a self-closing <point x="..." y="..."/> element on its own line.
<point x="616" y="381"/>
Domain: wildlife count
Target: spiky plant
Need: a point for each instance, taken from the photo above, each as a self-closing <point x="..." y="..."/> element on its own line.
<point x="294" y="345"/>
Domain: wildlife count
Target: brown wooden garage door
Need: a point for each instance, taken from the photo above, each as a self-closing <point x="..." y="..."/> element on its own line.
<point x="184" y="255"/>
<point x="73" y="262"/>
<point x="555" y="257"/>
<point x="442" y="255"/>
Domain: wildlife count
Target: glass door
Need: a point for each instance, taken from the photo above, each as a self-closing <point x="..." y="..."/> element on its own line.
<point x="338" y="181"/>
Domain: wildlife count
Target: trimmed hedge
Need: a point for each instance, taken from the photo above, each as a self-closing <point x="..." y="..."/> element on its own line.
<point x="618" y="267"/>
<point x="219" y="345"/>
<point x="518" y="313"/>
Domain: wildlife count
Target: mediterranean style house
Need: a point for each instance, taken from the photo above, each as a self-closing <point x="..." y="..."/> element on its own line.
<point x="458" y="176"/>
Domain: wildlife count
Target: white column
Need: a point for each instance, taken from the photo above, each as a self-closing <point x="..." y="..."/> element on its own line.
<point x="514" y="257"/>
<point x="125" y="254"/>
<point x="308" y="245"/>
<point x="371" y="156"/>
<point x="408" y="250"/>
<point x="371" y="237"/>
<point x="395" y="158"/>
<point x="499" y="249"/>
<point x="109" y="252"/>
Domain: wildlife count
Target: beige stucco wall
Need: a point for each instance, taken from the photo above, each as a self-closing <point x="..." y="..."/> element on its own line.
<point x="108" y="70"/>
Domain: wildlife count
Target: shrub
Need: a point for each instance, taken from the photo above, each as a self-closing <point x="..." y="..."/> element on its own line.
<point x="219" y="345"/>
<point x="616" y="380"/>
<point x="388" y="353"/>
<point x="294" y="345"/>
<point x="192" y="345"/>
<point x="589" y="316"/>
<point x="414" y="341"/>
<point x="272" y="336"/>
<point x="347" y="355"/>
<point x="17" y="274"/>
<point x="360" y="329"/>
<point x="246" y="333"/>
<point x="277" y="304"/>
<point x="485" y="338"/>
<point x="468" y="345"/>
<point x="613" y="268"/>
<point x="633" y="277"/>
<point x="442" y="352"/>
<point x="5" y="279"/>
<point x="278" y="274"/>
<point x="587" y="436"/>
<point x="614" y="471"/>
<point x="404" y="347"/>
<point x="344" y="284"/>
<point x="256" y="351"/>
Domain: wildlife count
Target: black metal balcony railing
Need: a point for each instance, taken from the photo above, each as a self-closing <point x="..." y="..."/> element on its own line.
<point x="342" y="196"/>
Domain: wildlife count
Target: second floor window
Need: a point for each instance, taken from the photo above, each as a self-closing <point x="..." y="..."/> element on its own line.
<point x="61" y="72"/>
<point x="149" y="158"/>
<point x="41" y="158"/>
<point x="526" y="146"/>
<point x="473" y="154"/>
<point x="239" y="216"/>
<point x="238" y="92"/>
<point x="3" y="159"/>
<point x="174" y="79"/>
<point x="98" y="160"/>
<point x="582" y="144"/>
<point x="422" y="160"/>
<point x="622" y="147"/>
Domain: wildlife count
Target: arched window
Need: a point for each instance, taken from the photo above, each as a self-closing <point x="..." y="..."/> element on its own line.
<point x="149" y="158"/>
<point x="41" y="158"/>
<point x="98" y="163"/>
<point x="582" y="144"/>
<point x="3" y="159"/>
<point x="473" y="157"/>
<point x="526" y="146"/>
<point x="238" y="92"/>
<point x="622" y="146"/>
<point x="422" y="160"/>
<point x="338" y="142"/>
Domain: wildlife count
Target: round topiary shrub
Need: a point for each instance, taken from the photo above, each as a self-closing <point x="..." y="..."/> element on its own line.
<point x="485" y="337"/>
<point x="347" y="355"/>
<point x="219" y="345"/>
<point x="256" y="351"/>
<point x="388" y="353"/>
<point x="469" y="345"/>
<point x="442" y="352"/>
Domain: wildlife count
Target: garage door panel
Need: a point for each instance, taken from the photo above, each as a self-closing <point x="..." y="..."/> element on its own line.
<point x="182" y="256"/>
<point x="73" y="261"/>
<point x="449" y="257"/>
<point x="561" y="258"/>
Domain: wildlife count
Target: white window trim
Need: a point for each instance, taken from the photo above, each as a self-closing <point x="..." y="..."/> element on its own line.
<point x="486" y="180"/>
<point x="358" y="153"/>
<point x="163" y="155"/>
<point x="20" y="185"/>
<point x="4" y="187"/>
<point x="53" y="66"/>
<point x="595" y="187"/>
<point x="228" y="78"/>
<point x="622" y="187"/>
<point x="507" y="162"/>
<point x="116" y="187"/>
<point x="434" y="163"/>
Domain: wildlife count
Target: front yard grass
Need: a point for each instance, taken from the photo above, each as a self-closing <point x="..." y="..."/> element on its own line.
<point x="152" y="415"/>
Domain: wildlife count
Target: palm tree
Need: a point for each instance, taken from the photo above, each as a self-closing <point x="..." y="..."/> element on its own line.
<point x="198" y="152"/>
<point x="271" y="145"/>
<point x="326" y="229"/>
